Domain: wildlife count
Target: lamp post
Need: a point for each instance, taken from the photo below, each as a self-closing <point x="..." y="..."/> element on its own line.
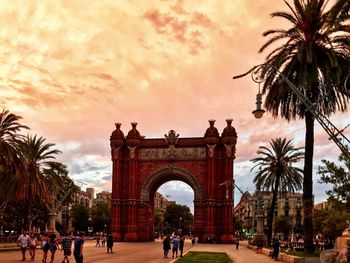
<point x="256" y="77"/>
<point x="259" y="213"/>
<point x="257" y="73"/>
<point x="260" y="237"/>
<point x="180" y="226"/>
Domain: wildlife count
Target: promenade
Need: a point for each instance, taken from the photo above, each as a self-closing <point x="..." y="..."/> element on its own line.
<point x="146" y="252"/>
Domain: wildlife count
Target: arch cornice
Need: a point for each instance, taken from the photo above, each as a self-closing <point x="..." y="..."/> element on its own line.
<point x="169" y="173"/>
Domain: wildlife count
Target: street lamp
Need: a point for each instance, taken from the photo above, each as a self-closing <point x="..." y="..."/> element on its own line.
<point x="257" y="78"/>
<point x="180" y="226"/>
<point x="257" y="73"/>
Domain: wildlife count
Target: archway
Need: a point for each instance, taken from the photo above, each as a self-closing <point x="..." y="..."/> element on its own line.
<point x="141" y="165"/>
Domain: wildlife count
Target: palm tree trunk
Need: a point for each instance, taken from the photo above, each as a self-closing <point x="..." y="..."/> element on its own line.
<point x="27" y="202"/>
<point x="272" y="209"/>
<point x="307" y="183"/>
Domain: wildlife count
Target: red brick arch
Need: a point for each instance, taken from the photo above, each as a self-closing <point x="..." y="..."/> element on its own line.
<point x="141" y="166"/>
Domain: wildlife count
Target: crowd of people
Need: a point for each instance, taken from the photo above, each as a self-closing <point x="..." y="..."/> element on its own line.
<point x="50" y="243"/>
<point x="175" y="244"/>
<point x="295" y="243"/>
<point x="101" y="240"/>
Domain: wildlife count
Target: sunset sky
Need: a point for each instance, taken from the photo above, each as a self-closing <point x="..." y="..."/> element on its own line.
<point x="73" y="68"/>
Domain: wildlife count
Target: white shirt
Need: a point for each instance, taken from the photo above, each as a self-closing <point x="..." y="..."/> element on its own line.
<point x="23" y="240"/>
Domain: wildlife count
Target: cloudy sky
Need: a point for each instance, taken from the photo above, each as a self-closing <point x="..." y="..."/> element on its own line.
<point x="73" y="68"/>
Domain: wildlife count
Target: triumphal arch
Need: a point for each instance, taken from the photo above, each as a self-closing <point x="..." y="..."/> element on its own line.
<point x="142" y="165"/>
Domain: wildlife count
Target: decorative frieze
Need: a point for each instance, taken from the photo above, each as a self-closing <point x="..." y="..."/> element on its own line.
<point x="115" y="152"/>
<point x="211" y="148"/>
<point x="194" y="153"/>
<point x="132" y="150"/>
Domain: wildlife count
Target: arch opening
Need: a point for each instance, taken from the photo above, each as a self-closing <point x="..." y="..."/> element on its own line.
<point x="164" y="175"/>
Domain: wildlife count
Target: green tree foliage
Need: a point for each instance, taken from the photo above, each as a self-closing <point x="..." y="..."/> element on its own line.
<point x="80" y="217"/>
<point x="276" y="172"/>
<point x="178" y="217"/>
<point x="339" y="177"/>
<point x="330" y="222"/>
<point x="237" y="224"/>
<point x="158" y="219"/>
<point x="9" y="160"/>
<point x="31" y="181"/>
<point x="313" y="53"/>
<point x="29" y="186"/>
<point x="283" y="224"/>
<point x="101" y="216"/>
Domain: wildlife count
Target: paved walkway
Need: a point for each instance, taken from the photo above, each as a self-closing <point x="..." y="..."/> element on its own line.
<point x="242" y="255"/>
<point x="147" y="252"/>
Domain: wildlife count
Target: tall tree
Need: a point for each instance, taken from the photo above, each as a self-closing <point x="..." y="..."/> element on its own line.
<point x="339" y="177"/>
<point x="330" y="222"/>
<point x="101" y="216"/>
<point x="276" y="172"/>
<point x="158" y="219"/>
<point x="29" y="186"/>
<point x="283" y="224"/>
<point x="9" y="161"/>
<point x="178" y="217"/>
<point x="61" y="189"/>
<point x="80" y="217"/>
<point x="9" y="136"/>
<point x="314" y="54"/>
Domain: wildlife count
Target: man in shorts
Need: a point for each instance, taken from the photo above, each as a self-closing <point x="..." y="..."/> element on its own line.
<point x="66" y="246"/>
<point x="23" y="243"/>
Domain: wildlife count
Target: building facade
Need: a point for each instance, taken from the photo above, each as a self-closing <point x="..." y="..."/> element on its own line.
<point x="84" y="198"/>
<point x="287" y="204"/>
<point x="104" y="196"/>
<point x="321" y="206"/>
<point x="161" y="202"/>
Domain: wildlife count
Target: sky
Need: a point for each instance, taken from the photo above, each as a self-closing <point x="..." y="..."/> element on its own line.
<point x="73" y="68"/>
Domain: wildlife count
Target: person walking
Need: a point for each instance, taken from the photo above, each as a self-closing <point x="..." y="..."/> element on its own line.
<point x="110" y="241"/>
<point x="33" y="242"/>
<point x="78" y="248"/>
<point x="181" y="246"/>
<point x="175" y="246"/>
<point x="166" y="246"/>
<point x="103" y="240"/>
<point x="45" y="246"/>
<point x="98" y="240"/>
<point x="66" y="246"/>
<point x="23" y="243"/>
<point x="237" y="242"/>
<point x="53" y="246"/>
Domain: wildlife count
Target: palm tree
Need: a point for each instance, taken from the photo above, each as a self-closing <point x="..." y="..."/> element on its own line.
<point x="276" y="173"/>
<point x="9" y="128"/>
<point x="315" y="56"/>
<point x="9" y="161"/>
<point x="30" y="186"/>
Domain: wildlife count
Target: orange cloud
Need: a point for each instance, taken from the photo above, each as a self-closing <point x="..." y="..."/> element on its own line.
<point x="165" y="64"/>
